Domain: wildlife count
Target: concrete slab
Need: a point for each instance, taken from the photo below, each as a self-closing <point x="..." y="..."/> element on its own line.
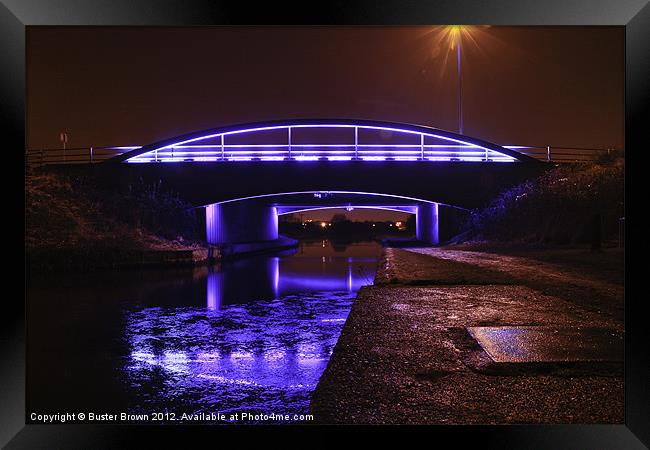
<point x="528" y="344"/>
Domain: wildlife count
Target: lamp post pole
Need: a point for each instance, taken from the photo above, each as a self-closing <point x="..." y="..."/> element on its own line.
<point x="460" y="86"/>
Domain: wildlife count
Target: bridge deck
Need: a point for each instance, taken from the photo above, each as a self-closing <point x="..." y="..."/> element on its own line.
<point x="318" y="140"/>
<point x="88" y="155"/>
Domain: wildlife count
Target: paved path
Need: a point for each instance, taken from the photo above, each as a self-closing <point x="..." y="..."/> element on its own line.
<point x="405" y="356"/>
<point x="574" y="285"/>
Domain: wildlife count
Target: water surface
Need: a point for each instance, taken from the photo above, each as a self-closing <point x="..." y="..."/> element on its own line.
<point x="250" y="335"/>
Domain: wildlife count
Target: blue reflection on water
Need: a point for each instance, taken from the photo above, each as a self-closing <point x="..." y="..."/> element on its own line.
<point x="260" y="344"/>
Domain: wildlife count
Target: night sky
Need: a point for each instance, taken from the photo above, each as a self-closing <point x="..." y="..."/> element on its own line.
<point x="561" y="86"/>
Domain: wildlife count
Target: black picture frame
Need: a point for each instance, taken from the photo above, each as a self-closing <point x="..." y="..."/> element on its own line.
<point x="16" y="15"/>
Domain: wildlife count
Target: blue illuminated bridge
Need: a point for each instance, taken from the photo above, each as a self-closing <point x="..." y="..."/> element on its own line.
<point x="323" y="140"/>
<point x="245" y="176"/>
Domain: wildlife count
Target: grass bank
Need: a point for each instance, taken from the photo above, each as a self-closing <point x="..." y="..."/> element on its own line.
<point x="568" y="204"/>
<point x="72" y="223"/>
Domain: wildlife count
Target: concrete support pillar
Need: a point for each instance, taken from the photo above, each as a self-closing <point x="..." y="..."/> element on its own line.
<point x="427" y="223"/>
<point x="237" y="222"/>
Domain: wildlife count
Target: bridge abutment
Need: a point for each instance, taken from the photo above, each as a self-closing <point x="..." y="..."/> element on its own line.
<point x="239" y="222"/>
<point x="427" y="223"/>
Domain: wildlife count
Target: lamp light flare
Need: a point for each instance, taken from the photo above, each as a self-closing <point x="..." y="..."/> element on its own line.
<point x="454" y="33"/>
<point x="451" y="35"/>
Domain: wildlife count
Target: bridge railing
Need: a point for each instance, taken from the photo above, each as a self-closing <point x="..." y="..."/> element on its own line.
<point x="563" y="154"/>
<point x="92" y="155"/>
<point x="322" y="152"/>
<point x="79" y="155"/>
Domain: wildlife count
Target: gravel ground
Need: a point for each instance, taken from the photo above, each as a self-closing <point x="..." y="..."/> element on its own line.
<point x="573" y="282"/>
<point x="404" y="355"/>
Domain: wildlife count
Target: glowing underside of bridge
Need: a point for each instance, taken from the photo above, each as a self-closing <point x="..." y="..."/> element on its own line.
<point x="411" y="145"/>
<point x="255" y="218"/>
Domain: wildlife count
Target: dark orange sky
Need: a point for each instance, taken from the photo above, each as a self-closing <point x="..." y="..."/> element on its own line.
<point x="521" y="85"/>
<point x="559" y="86"/>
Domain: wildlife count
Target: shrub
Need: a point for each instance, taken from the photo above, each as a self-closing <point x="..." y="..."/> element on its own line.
<point x="560" y="206"/>
<point x="75" y="212"/>
<point x="147" y="206"/>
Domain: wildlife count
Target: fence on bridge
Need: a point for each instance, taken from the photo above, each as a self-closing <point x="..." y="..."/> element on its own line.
<point x="79" y="155"/>
<point x="564" y="154"/>
<point x="91" y="155"/>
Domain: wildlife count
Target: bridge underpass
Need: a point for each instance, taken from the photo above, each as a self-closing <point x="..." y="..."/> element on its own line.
<point x="255" y="218"/>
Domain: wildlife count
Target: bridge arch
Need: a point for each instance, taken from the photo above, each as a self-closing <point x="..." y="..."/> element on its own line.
<point x="255" y="218"/>
<point x="402" y="209"/>
<point x="322" y="139"/>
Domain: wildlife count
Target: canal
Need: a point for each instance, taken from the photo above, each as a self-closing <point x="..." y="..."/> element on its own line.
<point x="249" y="335"/>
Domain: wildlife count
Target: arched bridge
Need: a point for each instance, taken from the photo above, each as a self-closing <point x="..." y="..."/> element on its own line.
<point x="246" y="175"/>
<point x="323" y="140"/>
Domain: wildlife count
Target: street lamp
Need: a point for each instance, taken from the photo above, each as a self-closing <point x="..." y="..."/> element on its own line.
<point x="455" y="38"/>
<point x="448" y="38"/>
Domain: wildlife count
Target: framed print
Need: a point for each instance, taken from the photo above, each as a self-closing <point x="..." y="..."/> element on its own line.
<point x="364" y="215"/>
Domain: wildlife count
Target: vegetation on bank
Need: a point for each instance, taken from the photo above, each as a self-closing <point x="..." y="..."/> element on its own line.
<point x="568" y="204"/>
<point x="72" y="222"/>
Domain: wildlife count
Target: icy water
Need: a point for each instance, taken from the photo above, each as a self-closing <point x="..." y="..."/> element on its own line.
<point x="248" y="336"/>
